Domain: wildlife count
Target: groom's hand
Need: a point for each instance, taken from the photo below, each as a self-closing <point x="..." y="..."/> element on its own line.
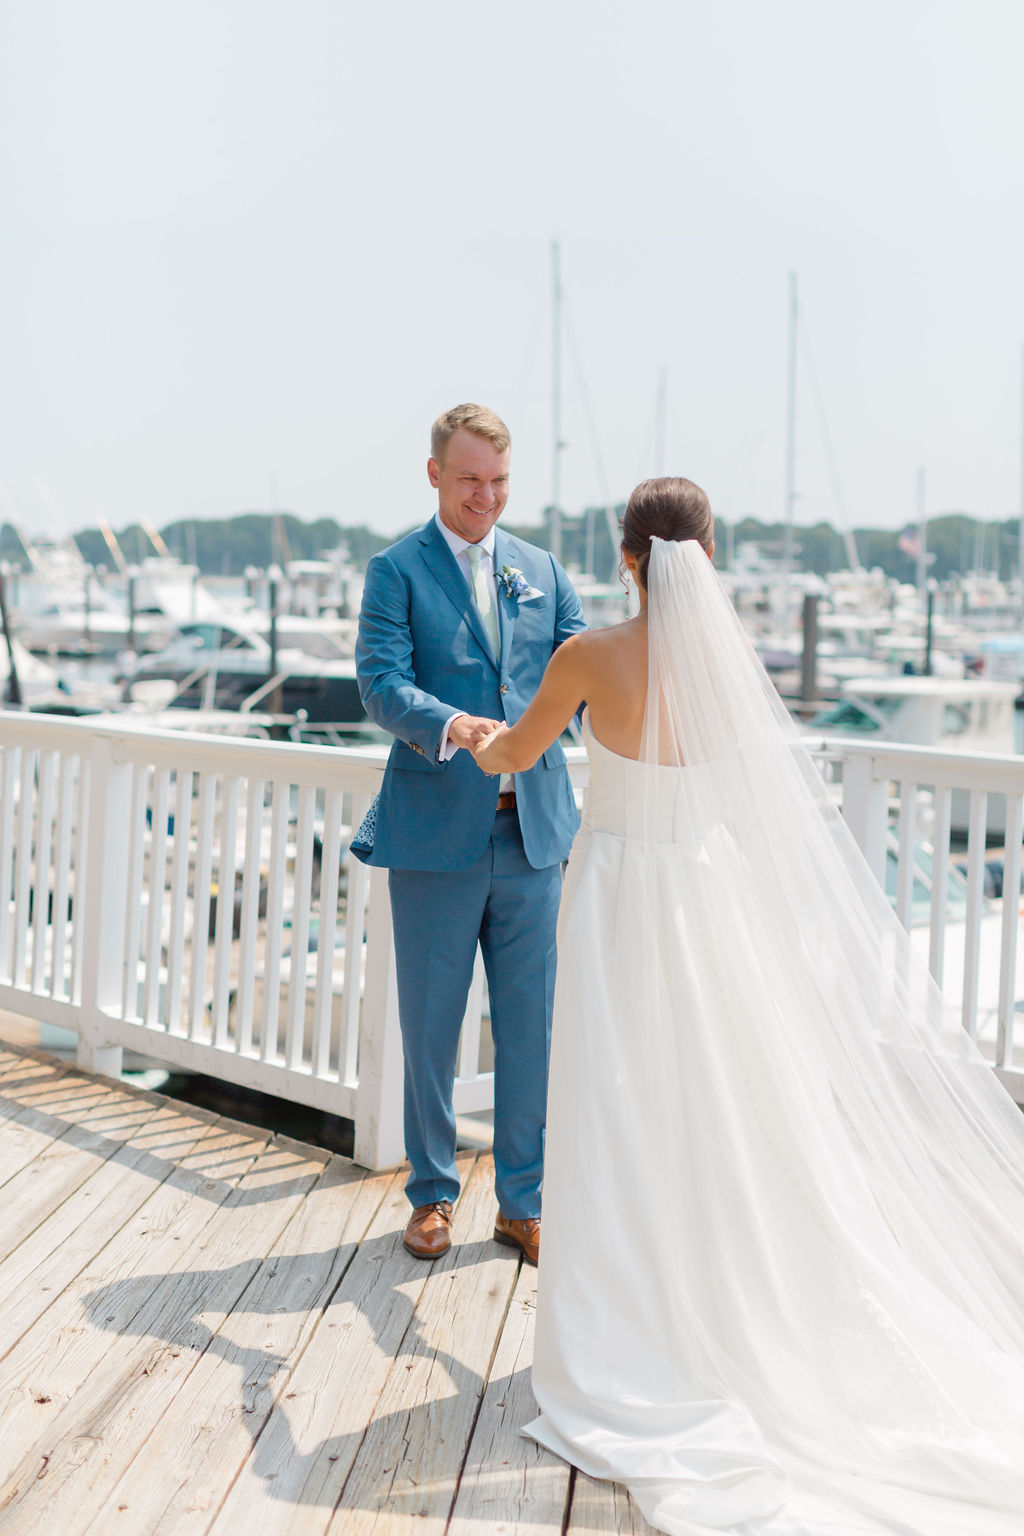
<point x="467" y="730"/>
<point x="483" y="752"/>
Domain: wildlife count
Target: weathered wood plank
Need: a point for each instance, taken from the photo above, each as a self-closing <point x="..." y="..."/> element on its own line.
<point x="152" y="1348"/>
<point x="56" y="1091"/>
<point x="297" y="1471"/>
<point x="49" y="1114"/>
<point x="35" y="1273"/>
<point x="193" y="1450"/>
<point x="208" y="1332"/>
<point x="604" y="1509"/>
<point x="71" y="1146"/>
<point x="509" y="1485"/>
<point x="21" y="1142"/>
<point x="408" y="1464"/>
<point x="55" y="1358"/>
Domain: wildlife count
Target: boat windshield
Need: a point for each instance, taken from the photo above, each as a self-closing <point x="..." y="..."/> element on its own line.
<point x="853" y="715"/>
<point x="214" y="637"/>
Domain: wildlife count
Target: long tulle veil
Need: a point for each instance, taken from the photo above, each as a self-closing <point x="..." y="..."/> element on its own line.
<point x="876" y="1064"/>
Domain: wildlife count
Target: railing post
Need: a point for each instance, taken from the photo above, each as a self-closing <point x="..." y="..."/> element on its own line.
<point x="379" y="1137"/>
<point x="99" y="899"/>
<point x="866" y="809"/>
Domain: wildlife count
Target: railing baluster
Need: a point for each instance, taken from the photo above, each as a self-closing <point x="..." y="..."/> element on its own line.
<point x="905" y="866"/>
<point x="24" y="871"/>
<point x="940" y="879"/>
<point x="975" y="906"/>
<point x="225" y="912"/>
<point x="100" y="900"/>
<point x="378" y="1129"/>
<point x="865" y="810"/>
<point x="201" y="907"/>
<point x="62" y="871"/>
<point x="179" y="891"/>
<point x="275" y="915"/>
<point x="80" y="867"/>
<point x="330" y="879"/>
<point x="1011" y="924"/>
<point x="133" y="909"/>
<point x="42" y="844"/>
<point x="250" y="916"/>
<point x="301" y="892"/>
<point x="12" y="770"/>
<point x="157" y="878"/>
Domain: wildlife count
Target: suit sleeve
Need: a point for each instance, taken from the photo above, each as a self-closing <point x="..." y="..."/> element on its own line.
<point x="384" y="649"/>
<point x="569" y="618"/>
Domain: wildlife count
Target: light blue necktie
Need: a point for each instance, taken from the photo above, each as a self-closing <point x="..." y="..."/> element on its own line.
<point x="482" y="596"/>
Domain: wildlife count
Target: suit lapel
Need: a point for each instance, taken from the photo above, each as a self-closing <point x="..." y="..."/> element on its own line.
<point x="444" y="568"/>
<point x="508" y="608"/>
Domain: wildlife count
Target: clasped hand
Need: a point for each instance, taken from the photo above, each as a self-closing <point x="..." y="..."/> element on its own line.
<point x="475" y="733"/>
<point x="483" y="748"/>
<point x="467" y="730"/>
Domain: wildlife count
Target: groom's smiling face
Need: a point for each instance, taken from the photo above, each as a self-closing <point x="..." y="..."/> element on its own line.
<point x="471" y="483"/>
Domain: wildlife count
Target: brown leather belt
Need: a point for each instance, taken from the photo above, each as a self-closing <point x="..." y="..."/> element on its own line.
<point x="507" y="800"/>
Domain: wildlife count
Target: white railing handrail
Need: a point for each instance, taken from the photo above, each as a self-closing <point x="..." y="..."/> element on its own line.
<point x="994" y="772"/>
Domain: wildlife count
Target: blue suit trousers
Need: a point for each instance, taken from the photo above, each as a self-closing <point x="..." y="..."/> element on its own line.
<point x="512" y="909"/>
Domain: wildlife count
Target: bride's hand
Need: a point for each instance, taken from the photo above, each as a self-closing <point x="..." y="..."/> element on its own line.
<point x="483" y="751"/>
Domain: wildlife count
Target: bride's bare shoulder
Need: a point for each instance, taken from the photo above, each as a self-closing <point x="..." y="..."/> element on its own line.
<point x="599" y="658"/>
<point x="613" y="636"/>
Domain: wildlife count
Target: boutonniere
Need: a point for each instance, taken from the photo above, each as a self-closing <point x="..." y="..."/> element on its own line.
<point x="516" y="584"/>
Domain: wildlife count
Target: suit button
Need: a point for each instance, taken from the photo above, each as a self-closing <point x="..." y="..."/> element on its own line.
<point x="504" y="688"/>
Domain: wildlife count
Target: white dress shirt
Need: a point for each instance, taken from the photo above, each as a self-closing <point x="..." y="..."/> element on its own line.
<point x="459" y="547"/>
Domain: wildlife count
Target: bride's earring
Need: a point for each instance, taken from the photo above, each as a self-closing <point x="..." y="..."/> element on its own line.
<point x="624" y="574"/>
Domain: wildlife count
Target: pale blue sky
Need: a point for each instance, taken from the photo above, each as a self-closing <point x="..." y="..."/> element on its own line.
<point x="266" y="242"/>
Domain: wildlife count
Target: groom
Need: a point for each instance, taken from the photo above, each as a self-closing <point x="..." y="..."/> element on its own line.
<point x="458" y="622"/>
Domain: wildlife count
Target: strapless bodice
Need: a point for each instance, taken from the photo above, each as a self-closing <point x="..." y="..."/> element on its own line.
<point x="629" y="798"/>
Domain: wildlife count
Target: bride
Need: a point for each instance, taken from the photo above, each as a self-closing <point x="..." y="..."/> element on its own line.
<point x="781" y="1291"/>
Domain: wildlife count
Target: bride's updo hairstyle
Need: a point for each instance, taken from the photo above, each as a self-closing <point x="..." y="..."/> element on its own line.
<point x="669" y="508"/>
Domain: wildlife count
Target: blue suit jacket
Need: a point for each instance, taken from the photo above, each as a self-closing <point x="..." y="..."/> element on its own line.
<point x="422" y="652"/>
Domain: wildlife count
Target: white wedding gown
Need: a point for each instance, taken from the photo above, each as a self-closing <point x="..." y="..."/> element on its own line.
<point x="781" y="1290"/>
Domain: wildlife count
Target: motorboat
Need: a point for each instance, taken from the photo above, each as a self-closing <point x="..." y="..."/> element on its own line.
<point x="227" y="664"/>
<point x="973" y="716"/>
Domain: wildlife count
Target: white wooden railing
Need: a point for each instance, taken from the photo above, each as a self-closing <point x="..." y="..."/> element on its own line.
<point x="905" y="806"/>
<point x="159" y="893"/>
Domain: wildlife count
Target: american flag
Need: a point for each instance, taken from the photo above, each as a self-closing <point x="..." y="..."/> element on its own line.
<point x="909" y="542"/>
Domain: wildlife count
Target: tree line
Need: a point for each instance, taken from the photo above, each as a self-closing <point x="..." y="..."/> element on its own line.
<point x="957" y="542"/>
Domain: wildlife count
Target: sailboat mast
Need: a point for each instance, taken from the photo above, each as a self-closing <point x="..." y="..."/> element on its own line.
<point x="659" y="422"/>
<point x="922" y="532"/>
<point x="787" y="536"/>
<point x="556" y="406"/>
<point x="1020" y="530"/>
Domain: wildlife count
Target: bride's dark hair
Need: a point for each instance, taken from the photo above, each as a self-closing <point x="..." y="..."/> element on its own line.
<point x="669" y="508"/>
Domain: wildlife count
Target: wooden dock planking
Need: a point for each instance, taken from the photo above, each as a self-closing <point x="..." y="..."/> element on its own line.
<point x="509" y="1485"/>
<point x="209" y="1330"/>
<point x="220" y="1409"/>
<point x="412" y="1453"/>
<point x="63" y="1370"/>
<point x="290" y="1486"/>
<point x="34" y="1274"/>
<point x="70" y="1135"/>
<point x="124" y="1397"/>
<point x="604" y="1509"/>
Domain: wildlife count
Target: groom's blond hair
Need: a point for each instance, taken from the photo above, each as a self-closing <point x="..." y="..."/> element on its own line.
<point x="478" y="419"/>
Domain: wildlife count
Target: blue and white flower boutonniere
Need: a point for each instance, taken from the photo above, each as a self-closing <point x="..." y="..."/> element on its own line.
<point x="516" y="584"/>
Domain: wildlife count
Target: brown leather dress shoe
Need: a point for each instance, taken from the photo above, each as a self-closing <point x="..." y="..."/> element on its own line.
<point x="428" y="1233"/>
<point x="523" y="1234"/>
